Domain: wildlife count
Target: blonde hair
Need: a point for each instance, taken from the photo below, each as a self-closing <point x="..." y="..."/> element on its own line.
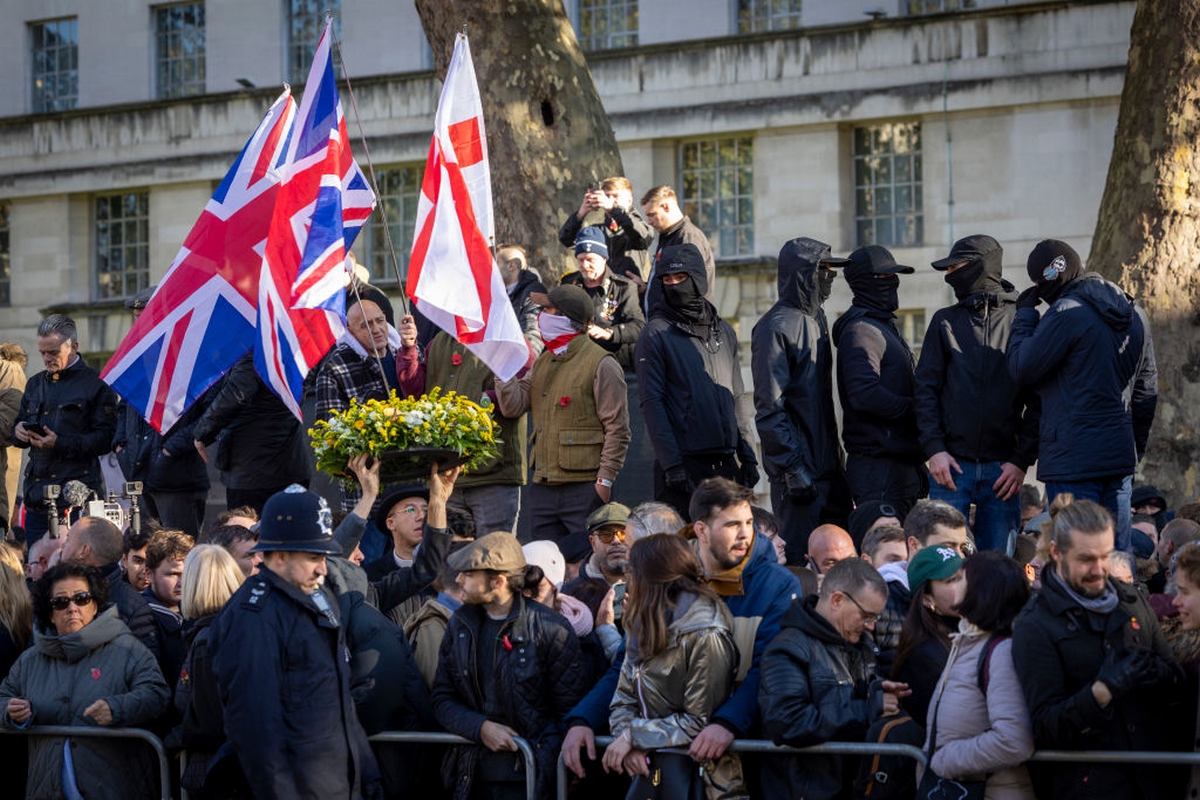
<point x="658" y="195"/>
<point x="16" y="604"/>
<point x="210" y="577"/>
<point x="617" y="183"/>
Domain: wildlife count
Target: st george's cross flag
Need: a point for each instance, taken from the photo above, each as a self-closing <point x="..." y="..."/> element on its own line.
<point x="322" y="205"/>
<point x="202" y="317"/>
<point x="452" y="277"/>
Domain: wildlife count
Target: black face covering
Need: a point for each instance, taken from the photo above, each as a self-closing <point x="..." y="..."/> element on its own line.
<point x="876" y="293"/>
<point x="1051" y="290"/>
<point x="825" y="279"/>
<point x="685" y="300"/>
<point x="964" y="280"/>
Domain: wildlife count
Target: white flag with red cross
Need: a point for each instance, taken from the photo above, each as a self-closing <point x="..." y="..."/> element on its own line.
<point x="452" y="277"/>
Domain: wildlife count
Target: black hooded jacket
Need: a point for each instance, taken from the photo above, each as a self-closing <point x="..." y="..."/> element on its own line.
<point x="875" y="384"/>
<point x="1090" y="358"/>
<point x="792" y="365"/>
<point x="816" y="688"/>
<point x="966" y="402"/>
<point x="690" y="382"/>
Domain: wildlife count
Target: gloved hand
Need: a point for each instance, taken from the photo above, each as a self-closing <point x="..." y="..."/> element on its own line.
<point x="678" y="481"/>
<point x="1121" y="671"/>
<point x="1028" y="298"/>
<point x="800" y="487"/>
<point x="748" y="474"/>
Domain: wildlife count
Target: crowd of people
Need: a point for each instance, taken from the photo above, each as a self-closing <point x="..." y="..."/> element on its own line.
<point x="905" y="585"/>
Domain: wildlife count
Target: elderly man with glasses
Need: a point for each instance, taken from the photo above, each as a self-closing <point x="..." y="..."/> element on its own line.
<point x="819" y="682"/>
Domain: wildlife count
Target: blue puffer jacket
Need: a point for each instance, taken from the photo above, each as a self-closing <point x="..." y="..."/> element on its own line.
<point x="1091" y="360"/>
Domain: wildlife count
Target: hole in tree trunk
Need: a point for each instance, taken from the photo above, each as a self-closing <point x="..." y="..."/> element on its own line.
<point x="547" y="113"/>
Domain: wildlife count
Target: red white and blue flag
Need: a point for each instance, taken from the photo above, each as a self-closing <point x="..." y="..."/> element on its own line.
<point x="263" y="267"/>
<point x="201" y="319"/>
<point x="322" y="205"/>
<point x="451" y="275"/>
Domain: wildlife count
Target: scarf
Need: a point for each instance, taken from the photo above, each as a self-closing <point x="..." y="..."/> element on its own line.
<point x="556" y="332"/>
<point x="1104" y="604"/>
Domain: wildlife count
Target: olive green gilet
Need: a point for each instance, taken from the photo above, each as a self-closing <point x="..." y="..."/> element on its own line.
<point x="567" y="436"/>
<point x="471" y="378"/>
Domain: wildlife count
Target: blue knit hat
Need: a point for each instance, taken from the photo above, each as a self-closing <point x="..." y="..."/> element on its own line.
<point x="592" y="240"/>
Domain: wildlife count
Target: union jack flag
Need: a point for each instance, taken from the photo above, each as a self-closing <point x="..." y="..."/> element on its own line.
<point x="202" y="317"/>
<point x="322" y="205"/>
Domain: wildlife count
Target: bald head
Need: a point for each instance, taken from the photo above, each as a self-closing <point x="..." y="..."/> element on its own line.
<point x="368" y="325"/>
<point x="827" y="545"/>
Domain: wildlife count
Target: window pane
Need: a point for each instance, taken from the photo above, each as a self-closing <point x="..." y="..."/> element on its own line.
<point x="122" y="244"/>
<point x="767" y="15"/>
<point x="608" y="24"/>
<point x="180" y="35"/>
<point x="306" y="23"/>
<point x="399" y="190"/>
<point x="55" y="65"/>
<point x="887" y="180"/>
<point x="717" y="180"/>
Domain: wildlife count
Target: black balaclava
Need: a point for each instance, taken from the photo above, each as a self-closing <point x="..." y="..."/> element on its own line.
<point x="981" y="276"/>
<point x="825" y="278"/>
<point x="876" y="293"/>
<point x="685" y="299"/>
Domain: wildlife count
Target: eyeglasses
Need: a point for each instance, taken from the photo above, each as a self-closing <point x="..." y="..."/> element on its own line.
<point x="607" y="536"/>
<point x="80" y="599"/>
<point x="410" y="510"/>
<point x="868" y="619"/>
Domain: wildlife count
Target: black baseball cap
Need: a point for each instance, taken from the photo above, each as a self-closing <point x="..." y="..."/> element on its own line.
<point x="968" y="249"/>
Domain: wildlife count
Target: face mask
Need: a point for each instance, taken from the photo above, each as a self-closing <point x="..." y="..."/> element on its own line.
<point x="825" y="279"/>
<point x="556" y="332"/>
<point x="964" y="279"/>
<point x="877" y="293"/>
<point x="683" y="298"/>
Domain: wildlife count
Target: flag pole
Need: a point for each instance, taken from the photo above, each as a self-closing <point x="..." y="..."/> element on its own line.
<point x="387" y="231"/>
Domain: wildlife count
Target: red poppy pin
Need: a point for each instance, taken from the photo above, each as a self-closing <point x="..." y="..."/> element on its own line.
<point x="456" y="359"/>
<point x="508" y="645"/>
<point x="1133" y="623"/>
<point x="564" y="401"/>
<point x="95" y="673"/>
<point x="183" y="676"/>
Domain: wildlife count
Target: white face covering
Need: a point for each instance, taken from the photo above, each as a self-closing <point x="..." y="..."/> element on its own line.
<point x="556" y="332"/>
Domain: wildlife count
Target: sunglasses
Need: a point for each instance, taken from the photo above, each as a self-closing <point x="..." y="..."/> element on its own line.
<point x="80" y="599"/>
<point x="607" y="536"/>
<point x="410" y="510"/>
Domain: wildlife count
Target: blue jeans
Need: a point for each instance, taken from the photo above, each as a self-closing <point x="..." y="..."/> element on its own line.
<point x="996" y="521"/>
<point x="1112" y="493"/>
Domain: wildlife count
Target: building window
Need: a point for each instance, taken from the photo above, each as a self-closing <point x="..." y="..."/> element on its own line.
<point x="399" y="189"/>
<point x="718" y="192"/>
<point x="180" y="35"/>
<point x="767" y="15"/>
<point x="916" y="7"/>
<point x="122" y="244"/>
<point x="306" y="22"/>
<point x="911" y="324"/>
<point x="55" y="65"/>
<point x="607" y="24"/>
<point x="887" y="185"/>
<point x="5" y="260"/>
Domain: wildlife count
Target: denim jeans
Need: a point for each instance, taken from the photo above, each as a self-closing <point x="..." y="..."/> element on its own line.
<point x="996" y="520"/>
<point x="1112" y="493"/>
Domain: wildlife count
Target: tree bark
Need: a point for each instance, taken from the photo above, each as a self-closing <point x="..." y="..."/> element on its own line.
<point x="1148" y="231"/>
<point x="547" y="132"/>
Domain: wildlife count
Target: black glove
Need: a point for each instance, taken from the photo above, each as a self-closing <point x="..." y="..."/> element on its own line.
<point x="1121" y="671"/>
<point x="800" y="488"/>
<point x="748" y="474"/>
<point x="1028" y="298"/>
<point x="677" y="480"/>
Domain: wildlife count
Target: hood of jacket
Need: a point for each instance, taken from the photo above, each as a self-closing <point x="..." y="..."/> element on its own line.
<point x="703" y="312"/>
<point x="799" y="271"/>
<point x="1106" y="298"/>
<point x="804" y="617"/>
<point x="75" y="646"/>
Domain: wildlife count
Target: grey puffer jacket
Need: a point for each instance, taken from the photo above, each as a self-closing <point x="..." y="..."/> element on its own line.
<point x="666" y="700"/>
<point x="61" y="676"/>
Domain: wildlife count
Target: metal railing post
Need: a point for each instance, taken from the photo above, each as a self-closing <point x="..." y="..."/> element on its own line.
<point x="81" y="732"/>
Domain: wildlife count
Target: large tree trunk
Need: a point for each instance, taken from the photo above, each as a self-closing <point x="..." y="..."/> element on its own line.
<point x="1148" y="231"/>
<point x="548" y="134"/>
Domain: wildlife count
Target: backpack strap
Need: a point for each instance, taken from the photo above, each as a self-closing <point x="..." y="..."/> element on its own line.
<point x="983" y="668"/>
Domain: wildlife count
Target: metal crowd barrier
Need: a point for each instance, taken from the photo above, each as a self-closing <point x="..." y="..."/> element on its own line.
<point x="1117" y="757"/>
<point x="82" y="732"/>
<point x="764" y="746"/>
<point x="420" y="737"/>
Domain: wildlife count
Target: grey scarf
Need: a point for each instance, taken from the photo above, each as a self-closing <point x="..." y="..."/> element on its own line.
<point x="1103" y="604"/>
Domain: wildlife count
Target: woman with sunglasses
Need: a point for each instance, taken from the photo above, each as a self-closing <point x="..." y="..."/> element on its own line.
<point x="85" y="668"/>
